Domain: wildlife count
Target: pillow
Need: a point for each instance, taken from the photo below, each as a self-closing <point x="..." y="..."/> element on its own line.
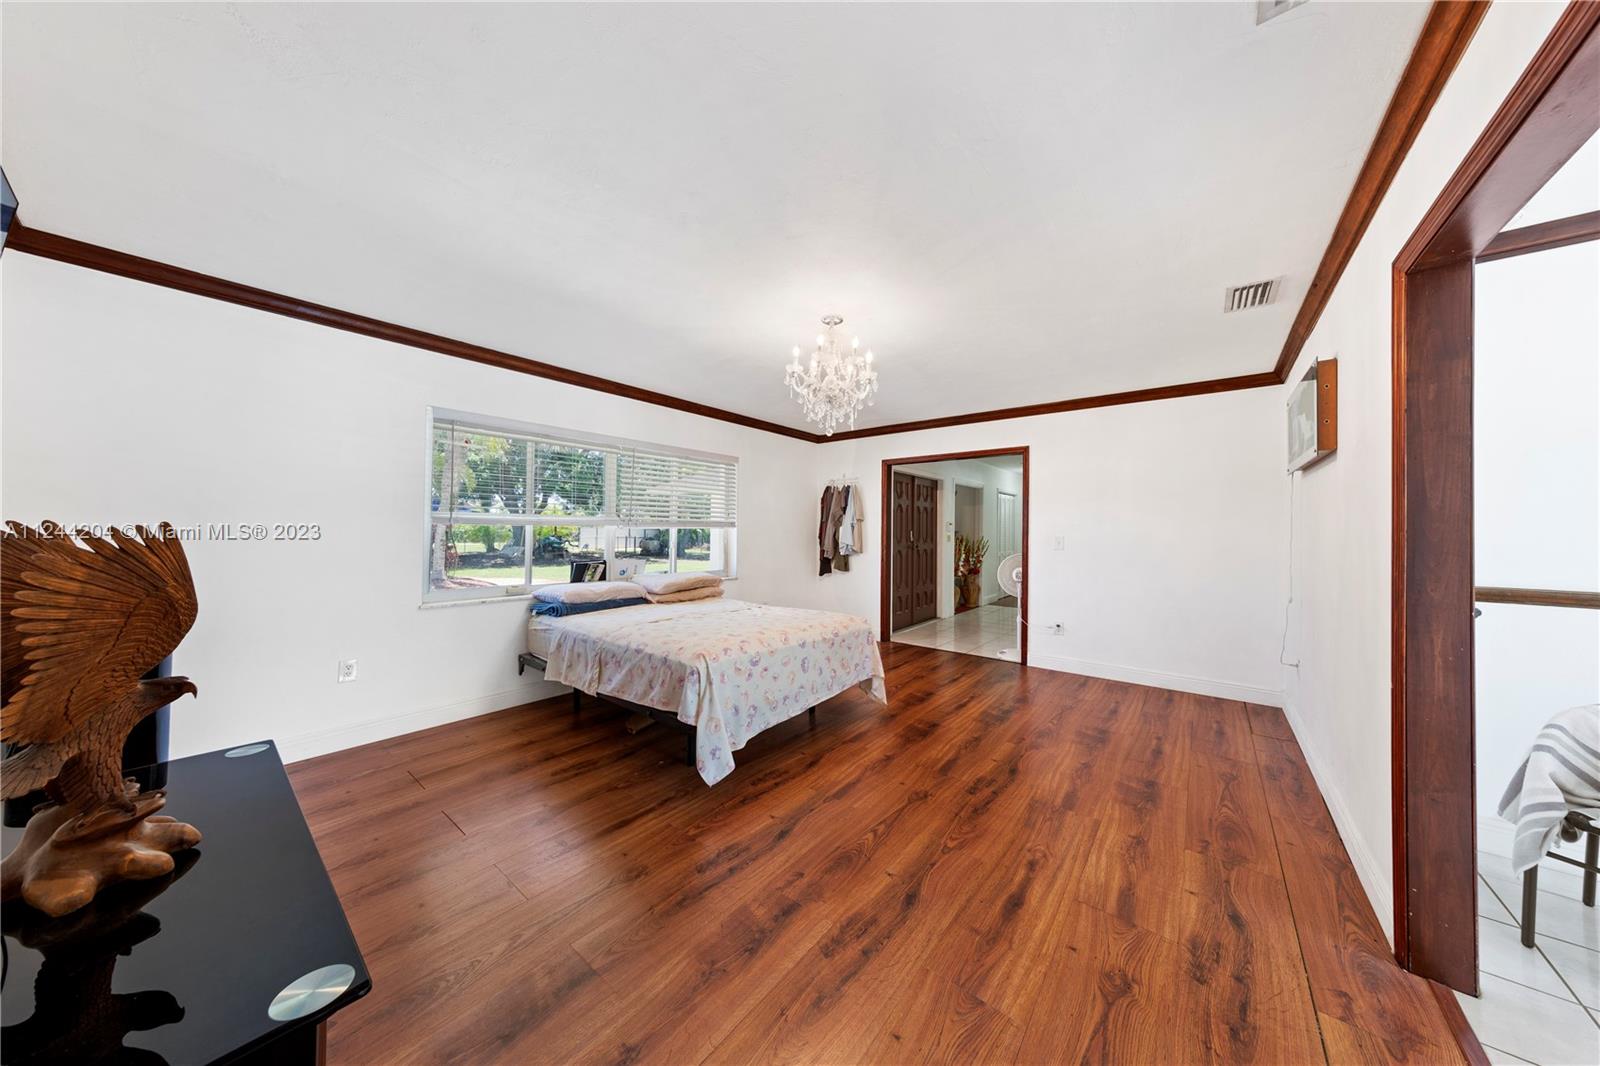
<point x="688" y="595"/>
<point x="587" y="592"/>
<point x="666" y="584"/>
<point x="565" y="610"/>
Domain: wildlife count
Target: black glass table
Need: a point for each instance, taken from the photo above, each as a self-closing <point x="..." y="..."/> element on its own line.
<point x="240" y="955"/>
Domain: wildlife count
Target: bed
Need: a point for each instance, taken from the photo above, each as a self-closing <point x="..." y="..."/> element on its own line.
<point x="723" y="670"/>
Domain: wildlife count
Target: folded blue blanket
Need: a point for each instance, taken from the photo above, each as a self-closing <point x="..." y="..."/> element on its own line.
<point x="562" y="610"/>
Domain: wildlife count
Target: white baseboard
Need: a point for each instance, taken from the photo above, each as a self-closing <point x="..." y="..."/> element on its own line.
<point x="310" y="745"/>
<point x="1377" y="878"/>
<point x="1202" y="686"/>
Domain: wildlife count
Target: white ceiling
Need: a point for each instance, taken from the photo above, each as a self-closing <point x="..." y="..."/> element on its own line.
<point x="1010" y="204"/>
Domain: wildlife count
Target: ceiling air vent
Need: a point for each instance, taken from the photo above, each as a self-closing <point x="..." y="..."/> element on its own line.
<point x="1255" y="294"/>
<point x="1271" y="9"/>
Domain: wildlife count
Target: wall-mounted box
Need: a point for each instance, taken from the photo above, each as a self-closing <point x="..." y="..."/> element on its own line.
<point x="1314" y="415"/>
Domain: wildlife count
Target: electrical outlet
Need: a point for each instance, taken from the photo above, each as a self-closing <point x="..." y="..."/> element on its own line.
<point x="347" y="670"/>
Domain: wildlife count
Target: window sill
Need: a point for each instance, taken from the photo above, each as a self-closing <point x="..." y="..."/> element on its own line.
<point x="521" y="597"/>
<point x="475" y="601"/>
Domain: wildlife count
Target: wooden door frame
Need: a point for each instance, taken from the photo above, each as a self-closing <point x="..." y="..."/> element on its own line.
<point x="883" y="537"/>
<point x="1549" y="114"/>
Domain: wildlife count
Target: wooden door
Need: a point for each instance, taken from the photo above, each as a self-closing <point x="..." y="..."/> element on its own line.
<point x="924" y="549"/>
<point x="914" y="554"/>
<point x="902" y="532"/>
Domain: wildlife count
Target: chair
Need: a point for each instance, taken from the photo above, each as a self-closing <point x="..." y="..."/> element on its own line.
<point x="1576" y="823"/>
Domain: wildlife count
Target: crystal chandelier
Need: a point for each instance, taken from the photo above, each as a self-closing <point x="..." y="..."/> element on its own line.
<point x="836" y="383"/>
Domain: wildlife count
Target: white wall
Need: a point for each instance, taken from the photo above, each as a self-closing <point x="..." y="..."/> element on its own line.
<point x="1536" y="467"/>
<point x="989" y="480"/>
<point x="1338" y="697"/>
<point x="1170" y="518"/>
<point x="123" y="402"/>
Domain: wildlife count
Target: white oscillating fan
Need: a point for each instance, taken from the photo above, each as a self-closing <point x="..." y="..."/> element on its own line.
<point x="1010" y="577"/>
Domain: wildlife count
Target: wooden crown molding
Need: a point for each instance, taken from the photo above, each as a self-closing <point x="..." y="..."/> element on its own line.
<point x="1444" y="37"/>
<point x="81" y="253"/>
<point x="1111" y="399"/>
<point x="1547" y="116"/>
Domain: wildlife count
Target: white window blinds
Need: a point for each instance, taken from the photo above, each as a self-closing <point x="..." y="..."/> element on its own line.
<point x="658" y="489"/>
<point x="489" y="474"/>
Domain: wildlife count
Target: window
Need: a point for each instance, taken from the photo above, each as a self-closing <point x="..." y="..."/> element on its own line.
<point x="511" y="506"/>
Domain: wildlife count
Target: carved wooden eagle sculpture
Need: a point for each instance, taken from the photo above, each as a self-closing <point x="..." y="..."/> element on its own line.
<point x="82" y="619"/>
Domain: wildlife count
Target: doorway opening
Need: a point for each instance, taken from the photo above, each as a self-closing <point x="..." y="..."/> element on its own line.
<point x="1548" y="117"/>
<point x="955" y="552"/>
<point x="1536" y="638"/>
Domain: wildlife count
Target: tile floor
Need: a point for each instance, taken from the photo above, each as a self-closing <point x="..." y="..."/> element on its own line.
<point x="981" y="631"/>
<point x="1542" y="1004"/>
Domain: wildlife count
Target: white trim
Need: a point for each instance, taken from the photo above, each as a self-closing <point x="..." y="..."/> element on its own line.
<point x="322" y="742"/>
<point x="1376" y="878"/>
<point x="1202" y="686"/>
<point x="523" y="596"/>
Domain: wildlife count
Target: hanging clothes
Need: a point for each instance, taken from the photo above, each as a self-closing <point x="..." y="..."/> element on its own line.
<point x="841" y="555"/>
<point x="824" y="555"/>
<point x="839" y="527"/>
<point x="847" y="522"/>
<point x="858" y="522"/>
<point x="835" y="514"/>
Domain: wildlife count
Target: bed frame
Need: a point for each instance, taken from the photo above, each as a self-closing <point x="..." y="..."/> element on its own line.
<point x="666" y="718"/>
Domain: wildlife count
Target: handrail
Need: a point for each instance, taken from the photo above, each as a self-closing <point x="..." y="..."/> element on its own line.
<point x="1537" y="597"/>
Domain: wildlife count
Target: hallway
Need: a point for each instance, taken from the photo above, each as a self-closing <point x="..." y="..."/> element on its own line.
<point x="985" y="631"/>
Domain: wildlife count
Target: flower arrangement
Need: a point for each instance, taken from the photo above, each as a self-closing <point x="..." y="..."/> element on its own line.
<point x="969" y="568"/>
<point x="969" y="554"/>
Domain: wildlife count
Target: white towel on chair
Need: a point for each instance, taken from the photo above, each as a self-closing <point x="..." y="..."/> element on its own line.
<point x="1561" y="772"/>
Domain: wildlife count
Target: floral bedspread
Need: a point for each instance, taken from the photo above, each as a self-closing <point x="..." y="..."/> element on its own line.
<point x="728" y="667"/>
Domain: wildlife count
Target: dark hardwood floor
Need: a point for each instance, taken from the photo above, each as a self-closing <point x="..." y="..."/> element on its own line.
<point x="1004" y="865"/>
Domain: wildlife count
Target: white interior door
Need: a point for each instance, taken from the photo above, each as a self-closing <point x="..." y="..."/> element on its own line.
<point x="1008" y="524"/>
